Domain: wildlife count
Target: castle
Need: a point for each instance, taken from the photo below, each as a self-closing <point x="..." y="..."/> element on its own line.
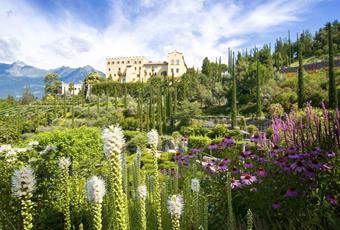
<point x="133" y="69"/>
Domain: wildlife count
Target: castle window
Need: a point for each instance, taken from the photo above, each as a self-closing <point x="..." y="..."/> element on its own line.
<point x="119" y="69"/>
<point x="122" y="62"/>
<point x="113" y="63"/>
<point x="177" y="62"/>
<point x="140" y="68"/>
<point x="117" y="62"/>
<point x="172" y="62"/>
<point x="108" y="63"/>
<point x="109" y="69"/>
<point x="177" y="70"/>
<point x="114" y="74"/>
<point x="135" y="68"/>
<point x="140" y="62"/>
<point x="128" y="62"/>
<point x="135" y="62"/>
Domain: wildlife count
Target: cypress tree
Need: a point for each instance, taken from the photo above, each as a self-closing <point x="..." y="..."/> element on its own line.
<point x="64" y="103"/>
<point x="289" y="49"/>
<point x="159" y="109"/>
<point x="72" y="88"/>
<point x="151" y="110"/>
<point x="206" y="67"/>
<point x="170" y="103"/>
<point x="125" y="96"/>
<point x="141" y="108"/>
<point x="301" y="93"/>
<point x="234" y="99"/>
<point x="98" y="105"/>
<point x="332" y="94"/>
<point x="258" y="87"/>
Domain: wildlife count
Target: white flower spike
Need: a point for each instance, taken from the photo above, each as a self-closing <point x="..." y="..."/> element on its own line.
<point x="95" y="188"/>
<point x="23" y="181"/>
<point x="176" y="205"/>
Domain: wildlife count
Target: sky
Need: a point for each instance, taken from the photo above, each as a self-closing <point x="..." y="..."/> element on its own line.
<point x="53" y="33"/>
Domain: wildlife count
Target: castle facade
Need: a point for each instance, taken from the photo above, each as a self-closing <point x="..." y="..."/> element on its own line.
<point x="138" y="68"/>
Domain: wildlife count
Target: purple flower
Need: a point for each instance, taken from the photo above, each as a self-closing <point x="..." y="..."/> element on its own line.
<point x="190" y="155"/>
<point x="316" y="151"/>
<point x="248" y="165"/>
<point x="332" y="200"/>
<point x="247" y="153"/>
<point x="235" y="184"/>
<point x="235" y="170"/>
<point x="261" y="172"/>
<point x="222" y="167"/>
<point x="228" y="141"/>
<point x="248" y="178"/>
<point x="291" y="192"/>
<point x="226" y="161"/>
<point x="261" y="159"/>
<point x="315" y="164"/>
<point x="212" y="147"/>
<point x="331" y="154"/>
<point x="195" y="150"/>
<point x="309" y="173"/>
<point x="294" y="156"/>
<point x="276" y="205"/>
<point x="298" y="166"/>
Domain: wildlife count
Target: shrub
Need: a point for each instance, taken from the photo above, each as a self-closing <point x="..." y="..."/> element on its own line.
<point x="129" y="134"/>
<point x="198" y="141"/>
<point x="167" y="142"/>
<point x="252" y="129"/>
<point x="138" y="140"/>
<point x="219" y="130"/>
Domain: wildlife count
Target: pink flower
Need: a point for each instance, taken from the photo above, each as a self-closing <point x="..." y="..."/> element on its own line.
<point x="248" y="178"/>
<point x="276" y="205"/>
<point x="298" y="166"/>
<point x="235" y="184"/>
<point x="291" y="192"/>
<point x="332" y="200"/>
<point x="261" y="172"/>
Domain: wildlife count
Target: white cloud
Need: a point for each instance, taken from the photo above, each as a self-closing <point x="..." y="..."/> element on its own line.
<point x="192" y="26"/>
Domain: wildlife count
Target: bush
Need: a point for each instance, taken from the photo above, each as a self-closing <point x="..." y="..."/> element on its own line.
<point x="167" y="142"/>
<point x="198" y="141"/>
<point x="252" y="129"/>
<point x="219" y="130"/>
<point x="130" y="123"/>
<point x="138" y="140"/>
<point x="129" y="134"/>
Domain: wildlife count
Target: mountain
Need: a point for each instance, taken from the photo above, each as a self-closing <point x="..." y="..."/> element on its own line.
<point x="14" y="77"/>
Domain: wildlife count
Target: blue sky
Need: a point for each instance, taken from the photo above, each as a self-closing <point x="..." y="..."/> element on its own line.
<point x="52" y="33"/>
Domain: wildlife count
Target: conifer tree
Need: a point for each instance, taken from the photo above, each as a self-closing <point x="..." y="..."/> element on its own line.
<point x="159" y="109"/>
<point x="301" y="94"/>
<point x="234" y="97"/>
<point x="332" y="94"/>
<point x="151" y="111"/>
<point x="206" y="67"/>
<point x="258" y="87"/>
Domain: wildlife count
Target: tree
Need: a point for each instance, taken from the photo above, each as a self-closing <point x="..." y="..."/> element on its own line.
<point x="71" y="89"/>
<point x="332" y="85"/>
<point x="10" y="100"/>
<point x="27" y="96"/>
<point x="300" y="93"/>
<point x="206" y="67"/>
<point x="52" y="84"/>
<point x="258" y="89"/>
<point x="234" y="96"/>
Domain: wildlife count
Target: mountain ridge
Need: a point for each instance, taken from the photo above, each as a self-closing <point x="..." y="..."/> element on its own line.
<point x="17" y="75"/>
